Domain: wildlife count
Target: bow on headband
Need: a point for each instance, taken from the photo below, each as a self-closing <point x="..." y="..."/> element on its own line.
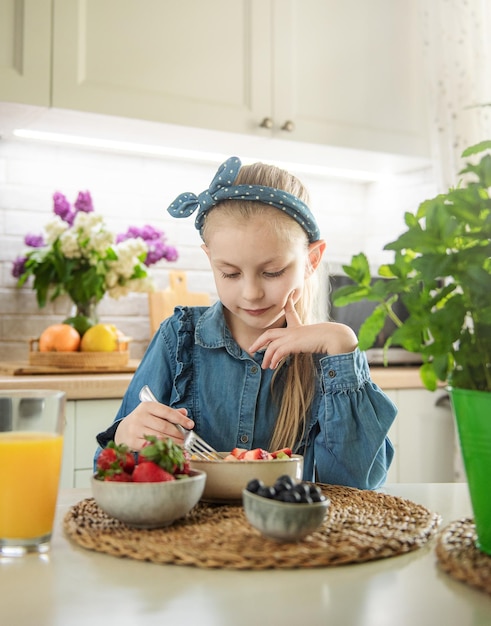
<point x="222" y="188"/>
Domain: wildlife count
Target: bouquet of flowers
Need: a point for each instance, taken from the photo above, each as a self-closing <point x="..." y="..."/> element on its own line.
<point x="79" y="257"/>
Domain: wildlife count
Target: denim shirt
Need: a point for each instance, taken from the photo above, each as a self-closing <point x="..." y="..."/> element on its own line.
<point x="194" y="362"/>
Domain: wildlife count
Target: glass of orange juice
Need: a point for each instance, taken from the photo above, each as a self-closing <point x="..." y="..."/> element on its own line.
<point x="31" y="445"/>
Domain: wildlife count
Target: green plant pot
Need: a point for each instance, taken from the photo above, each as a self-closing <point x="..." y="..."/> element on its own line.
<point x="472" y="413"/>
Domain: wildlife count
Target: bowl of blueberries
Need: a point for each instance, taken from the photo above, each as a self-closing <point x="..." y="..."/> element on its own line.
<point x="285" y="511"/>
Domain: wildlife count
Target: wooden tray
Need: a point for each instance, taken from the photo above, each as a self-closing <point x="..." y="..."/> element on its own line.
<point x="80" y="360"/>
<point x="23" y="368"/>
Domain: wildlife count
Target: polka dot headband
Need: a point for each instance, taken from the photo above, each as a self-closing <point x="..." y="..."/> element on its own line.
<point x="222" y="188"/>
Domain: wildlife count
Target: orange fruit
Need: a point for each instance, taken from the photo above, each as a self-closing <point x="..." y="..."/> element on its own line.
<point x="59" y="338"/>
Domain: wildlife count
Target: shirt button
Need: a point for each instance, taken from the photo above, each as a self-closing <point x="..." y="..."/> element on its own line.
<point x="244" y="438"/>
<point x="254" y="369"/>
<point x="331" y="373"/>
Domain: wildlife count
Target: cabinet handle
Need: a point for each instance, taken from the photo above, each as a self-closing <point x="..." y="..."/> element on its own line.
<point x="266" y="123"/>
<point x="289" y="126"/>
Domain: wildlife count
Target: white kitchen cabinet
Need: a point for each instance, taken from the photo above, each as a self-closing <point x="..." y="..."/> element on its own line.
<point x="323" y="71"/>
<point x="84" y="420"/>
<point x="424" y="437"/>
<point x="319" y="71"/>
<point x="25" y="51"/>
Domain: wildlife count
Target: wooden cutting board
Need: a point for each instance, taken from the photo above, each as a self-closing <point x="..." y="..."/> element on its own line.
<point x="162" y="303"/>
<point x="20" y="368"/>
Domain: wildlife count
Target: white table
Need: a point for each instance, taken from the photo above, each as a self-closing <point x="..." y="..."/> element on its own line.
<point x="74" y="586"/>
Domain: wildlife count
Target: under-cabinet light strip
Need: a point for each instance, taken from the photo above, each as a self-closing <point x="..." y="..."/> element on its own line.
<point x="187" y="154"/>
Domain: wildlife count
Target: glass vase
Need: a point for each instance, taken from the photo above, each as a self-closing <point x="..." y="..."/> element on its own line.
<point x="85" y="313"/>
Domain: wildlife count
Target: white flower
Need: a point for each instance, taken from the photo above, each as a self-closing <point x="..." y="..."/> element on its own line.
<point x="69" y="245"/>
<point x="128" y="252"/>
<point x="100" y="241"/>
<point x="79" y="256"/>
<point x="141" y="285"/>
<point x="54" y="229"/>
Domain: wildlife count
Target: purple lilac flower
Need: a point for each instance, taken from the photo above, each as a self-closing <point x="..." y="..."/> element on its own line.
<point x="19" y="266"/>
<point x="83" y="202"/>
<point x="156" y="251"/>
<point x="131" y="233"/>
<point x="34" y="241"/>
<point x="62" y="208"/>
<point x="155" y="240"/>
<point x="147" y="233"/>
<point x="171" y="253"/>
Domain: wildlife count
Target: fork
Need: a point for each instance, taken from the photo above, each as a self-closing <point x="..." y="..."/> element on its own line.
<point x="193" y="443"/>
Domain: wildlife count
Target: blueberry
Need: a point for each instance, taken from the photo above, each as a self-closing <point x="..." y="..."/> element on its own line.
<point x="286" y="480"/>
<point x="266" y="492"/>
<point x="281" y="485"/>
<point x="290" y="496"/>
<point x="316" y="494"/>
<point x="303" y="489"/>
<point x="254" y="485"/>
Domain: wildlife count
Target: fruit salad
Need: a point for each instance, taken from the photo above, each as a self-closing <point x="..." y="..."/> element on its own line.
<point x="257" y="454"/>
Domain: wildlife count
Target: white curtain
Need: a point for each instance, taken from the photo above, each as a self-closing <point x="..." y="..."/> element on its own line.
<point x="457" y="49"/>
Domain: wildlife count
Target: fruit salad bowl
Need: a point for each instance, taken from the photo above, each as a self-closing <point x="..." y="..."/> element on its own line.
<point x="225" y="480"/>
<point x="149" y="504"/>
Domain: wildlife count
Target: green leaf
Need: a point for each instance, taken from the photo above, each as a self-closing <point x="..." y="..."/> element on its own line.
<point x="359" y="270"/>
<point x="477" y="148"/>
<point x="371" y="328"/>
<point x="428" y="376"/>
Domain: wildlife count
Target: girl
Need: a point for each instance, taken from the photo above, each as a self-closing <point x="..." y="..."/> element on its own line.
<point x="253" y="370"/>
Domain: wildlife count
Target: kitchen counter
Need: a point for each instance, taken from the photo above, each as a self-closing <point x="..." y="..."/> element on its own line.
<point x="76" y="386"/>
<point x="101" y="385"/>
<point x="75" y="586"/>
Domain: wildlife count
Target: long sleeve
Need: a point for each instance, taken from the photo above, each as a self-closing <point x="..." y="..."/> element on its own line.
<point x="351" y="446"/>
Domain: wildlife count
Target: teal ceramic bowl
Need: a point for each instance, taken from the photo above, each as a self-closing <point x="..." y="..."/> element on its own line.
<point x="283" y="521"/>
<point x="149" y="505"/>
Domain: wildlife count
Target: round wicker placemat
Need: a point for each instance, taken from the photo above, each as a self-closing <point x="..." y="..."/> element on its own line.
<point x="359" y="526"/>
<point x="458" y="555"/>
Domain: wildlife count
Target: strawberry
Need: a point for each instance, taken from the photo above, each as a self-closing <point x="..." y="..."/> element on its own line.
<point x="118" y="477"/>
<point x="115" y="459"/>
<point x="165" y="453"/>
<point x="282" y="453"/>
<point x="186" y="468"/>
<point x="150" y="472"/>
<point x="238" y="453"/>
<point x="106" y="458"/>
<point x="258" y="454"/>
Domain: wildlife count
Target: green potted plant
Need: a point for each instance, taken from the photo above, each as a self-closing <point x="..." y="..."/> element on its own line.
<point x="441" y="272"/>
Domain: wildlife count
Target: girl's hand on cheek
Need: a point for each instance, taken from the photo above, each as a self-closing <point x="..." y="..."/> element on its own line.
<point x="151" y="418"/>
<point x="275" y="341"/>
<point x="324" y="338"/>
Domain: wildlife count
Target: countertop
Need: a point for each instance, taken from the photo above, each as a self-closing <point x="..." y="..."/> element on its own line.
<point x="102" y="385"/>
<point x="76" y="386"/>
<point x="73" y="586"/>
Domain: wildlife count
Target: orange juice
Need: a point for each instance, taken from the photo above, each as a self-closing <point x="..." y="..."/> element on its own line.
<point x="30" y="465"/>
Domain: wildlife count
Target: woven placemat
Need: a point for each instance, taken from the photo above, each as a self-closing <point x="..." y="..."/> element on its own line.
<point x="458" y="555"/>
<point x="360" y="526"/>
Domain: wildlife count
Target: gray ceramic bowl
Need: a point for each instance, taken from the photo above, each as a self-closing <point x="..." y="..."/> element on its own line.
<point x="149" y="505"/>
<point x="225" y="480"/>
<point x="283" y="521"/>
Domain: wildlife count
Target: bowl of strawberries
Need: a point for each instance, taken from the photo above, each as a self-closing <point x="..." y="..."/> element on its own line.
<point x="226" y="479"/>
<point x="149" y="489"/>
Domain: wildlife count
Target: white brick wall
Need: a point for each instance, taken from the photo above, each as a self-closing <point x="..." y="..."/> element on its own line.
<point x="137" y="190"/>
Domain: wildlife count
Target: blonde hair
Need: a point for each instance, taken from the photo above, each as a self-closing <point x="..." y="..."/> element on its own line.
<point x="295" y="397"/>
